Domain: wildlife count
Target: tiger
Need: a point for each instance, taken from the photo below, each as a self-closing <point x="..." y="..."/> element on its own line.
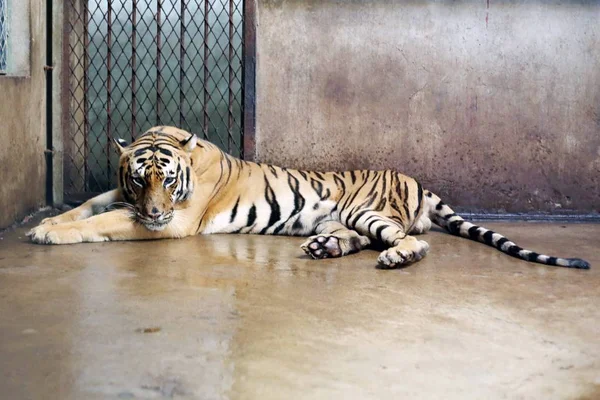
<point x="171" y="184"/>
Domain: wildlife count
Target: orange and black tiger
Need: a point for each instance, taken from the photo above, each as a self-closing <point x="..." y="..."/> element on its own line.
<point x="172" y="185"/>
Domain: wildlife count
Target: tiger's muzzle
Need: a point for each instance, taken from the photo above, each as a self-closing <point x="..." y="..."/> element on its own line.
<point x="154" y="221"/>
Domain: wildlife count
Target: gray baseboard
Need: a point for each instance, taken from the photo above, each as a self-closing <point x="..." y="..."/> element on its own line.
<point x="531" y="217"/>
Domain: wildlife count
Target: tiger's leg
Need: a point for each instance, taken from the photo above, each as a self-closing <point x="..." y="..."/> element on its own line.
<point x="87" y="209"/>
<point x="112" y="225"/>
<point x="333" y="239"/>
<point x="403" y="249"/>
<point x="423" y="225"/>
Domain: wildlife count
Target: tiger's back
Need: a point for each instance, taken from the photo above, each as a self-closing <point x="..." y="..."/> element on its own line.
<point x="266" y="199"/>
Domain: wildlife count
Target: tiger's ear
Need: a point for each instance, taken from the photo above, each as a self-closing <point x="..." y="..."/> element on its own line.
<point x="120" y="145"/>
<point x="190" y="143"/>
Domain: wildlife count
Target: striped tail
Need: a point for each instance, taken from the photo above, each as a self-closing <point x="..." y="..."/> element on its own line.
<point x="443" y="216"/>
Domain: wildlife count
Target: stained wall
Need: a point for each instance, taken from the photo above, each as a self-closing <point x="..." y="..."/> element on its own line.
<point x="494" y="105"/>
<point x="22" y="112"/>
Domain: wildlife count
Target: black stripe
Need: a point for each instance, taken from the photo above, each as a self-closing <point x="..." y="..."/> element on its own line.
<point x="384" y="188"/>
<point x="319" y="175"/>
<point x="229" y="167"/>
<point x="126" y="191"/>
<point x="273" y="171"/>
<point x="239" y="167"/>
<point x="500" y="242"/>
<point x="317" y="187"/>
<point x="552" y="261"/>
<point x="141" y="151"/>
<point x="419" y="198"/>
<point x="303" y="174"/>
<point x="297" y="226"/>
<point x="381" y="205"/>
<point x="299" y="201"/>
<point x="234" y="211"/>
<point x="353" y="176"/>
<point x="439" y="205"/>
<point x="514" y="250"/>
<point x="532" y="256"/>
<point x="279" y="228"/>
<point x="184" y="190"/>
<point x="379" y="231"/>
<point x="182" y="183"/>
<point x="454" y="227"/>
<point x="357" y="217"/>
<point x="272" y="201"/>
<point x="122" y="176"/>
<point x="165" y="152"/>
<point x="447" y="217"/>
<point x="377" y="179"/>
<point x="394" y="205"/>
<point x="351" y="198"/>
<point x="251" y="215"/>
<point x="487" y="238"/>
<point x="474" y="233"/>
<point x="340" y="183"/>
<point x="371" y="223"/>
<point x="396" y="218"/>
<point x="405" y="200"/>
<point x="366" y="204"/>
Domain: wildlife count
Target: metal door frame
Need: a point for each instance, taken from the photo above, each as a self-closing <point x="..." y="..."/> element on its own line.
<point x="58" y="100"/>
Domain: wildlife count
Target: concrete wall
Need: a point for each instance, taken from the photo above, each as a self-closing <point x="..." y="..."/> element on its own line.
<point x="22" y="127"/>
<point x="494" y="105"/>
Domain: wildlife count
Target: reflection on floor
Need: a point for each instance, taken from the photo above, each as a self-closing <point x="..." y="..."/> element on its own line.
<point x="250" y="317"/>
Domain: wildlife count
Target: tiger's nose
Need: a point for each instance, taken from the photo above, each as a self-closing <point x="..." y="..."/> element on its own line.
<point x="154" y="213"/>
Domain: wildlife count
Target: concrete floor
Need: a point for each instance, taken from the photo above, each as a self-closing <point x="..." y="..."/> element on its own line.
<point x="250" y="317"/>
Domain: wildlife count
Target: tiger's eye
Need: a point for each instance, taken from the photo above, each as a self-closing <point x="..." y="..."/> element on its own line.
<point x="138" y="181"/>
<point x="169" y="181"/>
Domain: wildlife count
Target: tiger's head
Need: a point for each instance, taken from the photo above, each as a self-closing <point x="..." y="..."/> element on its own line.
<point x="155" y="174"/>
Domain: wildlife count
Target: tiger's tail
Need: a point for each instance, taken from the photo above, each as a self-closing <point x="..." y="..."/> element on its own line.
<point x="442" y="215"/>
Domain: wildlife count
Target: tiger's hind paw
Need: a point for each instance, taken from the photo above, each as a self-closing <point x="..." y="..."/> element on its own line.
<point x="322" y="246"/>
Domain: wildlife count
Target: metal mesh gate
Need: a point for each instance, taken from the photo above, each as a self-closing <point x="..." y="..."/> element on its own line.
<point x="134" y="64"/>
<point x="3" y="36"/>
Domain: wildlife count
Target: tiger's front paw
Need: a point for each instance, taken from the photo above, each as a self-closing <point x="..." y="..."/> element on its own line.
<point x="54" y="234"/>
<point x="403" y="254"/>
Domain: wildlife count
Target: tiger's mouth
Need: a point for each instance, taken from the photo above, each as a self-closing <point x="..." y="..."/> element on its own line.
<point x="155" y="224"/>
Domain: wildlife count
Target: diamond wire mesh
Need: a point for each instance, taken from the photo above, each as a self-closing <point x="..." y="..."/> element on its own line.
<point x="3" y="35"/>
<point x="138" y="63"/>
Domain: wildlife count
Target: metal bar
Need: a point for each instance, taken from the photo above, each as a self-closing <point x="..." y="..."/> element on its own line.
<point x="230" y="143"/>
<point x="133" y="62"/>
<point x="206" y="72"/>
<point x="49" y="145"/>
<point x="158" y="64"/>
<point x="86" y="120"/>
<point x="65" y="97"/>
<point x="181" y="60"/>
<point x="249" y="80"/>
<point x="108" y="88"/>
